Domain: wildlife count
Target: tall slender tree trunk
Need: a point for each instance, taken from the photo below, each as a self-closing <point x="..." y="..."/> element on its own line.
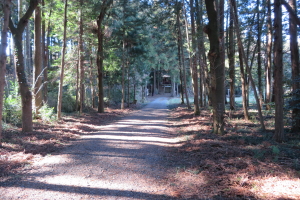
<point x="45" y="50"/>
<point x="123" y="75"/>
<point x="26" y="95"/>
<point x="231" y="58"/>
<point x="244" y="86"/>
<point x="194" y="61"/>
<point x="81" y="60"/>
<point x="269" y="57"/>
<point x="295" y="69"/>
<point x="38" y="61"/>
<point x="216" y="67"/>
<point x="259" y="62"/>
<point x="62" y="69"/>
<point x="3" y="45"/>
<point x="204" y="74"/>
<point x="100" y="67"/>
<point x="278" y="72"/>
<point x="183" y="64"/>
<point x="100" y="55"/>
<point x="179" y="52"/>
<point x="199" y="34"/>
<point x="233" y="4"/>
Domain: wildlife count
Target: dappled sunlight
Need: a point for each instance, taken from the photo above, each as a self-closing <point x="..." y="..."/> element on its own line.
<point x="157" y="140"/>
<point x="143" y="122"/>
<point x="277" y="187"/>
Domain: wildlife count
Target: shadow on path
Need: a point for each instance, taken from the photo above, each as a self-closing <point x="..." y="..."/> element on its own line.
<point x="123" y="160"/>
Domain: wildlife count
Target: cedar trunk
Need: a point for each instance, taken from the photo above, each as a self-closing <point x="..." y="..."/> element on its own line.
<point x="26" y="95"/>
<point x="216" y="67"/>
<point x="61" y="81"/>
<point x="100" y="55"/>
<point x="38" y="61"/>
<point x="295" y="69"/>
<point x="278" y="72"/>
<point x="3" y="45"/>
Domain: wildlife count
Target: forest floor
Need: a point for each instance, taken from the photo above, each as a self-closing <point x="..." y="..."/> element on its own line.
<point x="244" y="163"/>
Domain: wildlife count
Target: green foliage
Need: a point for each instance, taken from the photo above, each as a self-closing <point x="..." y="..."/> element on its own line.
<point x="47" y="114"/>
<point x="12" y="106"/>
<point x="12" y="110"/>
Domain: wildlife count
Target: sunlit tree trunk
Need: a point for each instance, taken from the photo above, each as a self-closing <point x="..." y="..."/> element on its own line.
<point x="62" y="69"/>
<point x="45" y="50"/>
<point x="269" y="56"/>
<point x="183" y="64"/>
<point x="38" y="61"/>
<point x="26" y="95"/>
<point x="3" y="45"/>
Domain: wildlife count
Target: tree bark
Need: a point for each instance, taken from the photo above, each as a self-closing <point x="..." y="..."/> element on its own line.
<point x="100" y="55"/>
<point x="60" y="88"/>
<point x="231" y="58"/>
<point x="81" y="60"/>
<point x="278" y="72"/>
<point x="259" y="62"/>
<point x="269" y="57"/>
<point x="179" y="52"/>
<point x="217" y="70"/>
<point x="38" y="61"/>
<point x="193" y="62"/>
<point x="26" y="95"/>
<point x="123" y="75"/>
<point x="45" y="49"/>
<point x="3" y="45"/>
<point x="295" y="70"/>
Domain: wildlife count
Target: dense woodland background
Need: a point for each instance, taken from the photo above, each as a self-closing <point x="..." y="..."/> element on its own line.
<point x="65" y="56"/>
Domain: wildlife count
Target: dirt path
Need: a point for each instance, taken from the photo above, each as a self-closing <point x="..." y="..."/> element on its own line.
<point x="124" y="160"/>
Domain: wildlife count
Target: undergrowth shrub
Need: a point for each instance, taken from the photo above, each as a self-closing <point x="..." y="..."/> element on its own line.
<point x="12" y="106"/>
<point x="47" y="113"/>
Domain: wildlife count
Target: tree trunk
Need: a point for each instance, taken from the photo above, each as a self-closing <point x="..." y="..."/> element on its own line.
<point x="123" y="75"/>
<point x="269" y="57"/>
<point x="259" y="63"/>
<point x="45" y="50"/>
<point x="278" y="72"/>
<point x="244" y="86"/>
<point x="60" y="88"/>
<point x="231" y="58"/>
<point x="204" y="74"/>
<point x="295" y="70"/>
<point x="3" y="45"/>
<point x="26" y="95"/>
<point x="81" y="60"/>
<point x="217" y="70"/>
<point x="183" y="69"/>
<point x="38" y="61"/>
<point x="194" y="61"/>
<point x="233" y="4"/>
<point x="100" y="55"/>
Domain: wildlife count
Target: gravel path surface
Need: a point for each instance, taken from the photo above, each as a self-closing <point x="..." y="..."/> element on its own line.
<point x="124" y="160"/>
